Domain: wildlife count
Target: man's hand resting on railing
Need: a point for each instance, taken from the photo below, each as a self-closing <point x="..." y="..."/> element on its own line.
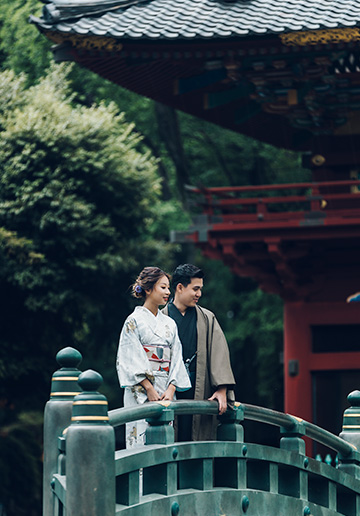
<point x="220" y="397"/>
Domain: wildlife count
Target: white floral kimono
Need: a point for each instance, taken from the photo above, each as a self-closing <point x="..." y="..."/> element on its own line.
<point x="149" y="348"/>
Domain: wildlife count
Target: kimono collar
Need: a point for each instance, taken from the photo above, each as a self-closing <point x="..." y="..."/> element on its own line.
<point x="146" y="311"/>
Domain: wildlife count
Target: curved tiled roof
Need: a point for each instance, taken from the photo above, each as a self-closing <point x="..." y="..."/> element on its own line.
<point x="189" y="19"/>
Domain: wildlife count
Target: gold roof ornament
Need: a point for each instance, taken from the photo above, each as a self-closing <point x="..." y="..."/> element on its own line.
<point x="86" y="42"/>
<point x="316" y="37"/>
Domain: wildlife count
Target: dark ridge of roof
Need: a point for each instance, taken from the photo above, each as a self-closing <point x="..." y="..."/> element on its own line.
<point x="60" y="10"/>
<point x="189" y="19"/>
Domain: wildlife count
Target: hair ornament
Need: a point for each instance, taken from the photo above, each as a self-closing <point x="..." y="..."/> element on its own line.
<point x="138" y="289"/>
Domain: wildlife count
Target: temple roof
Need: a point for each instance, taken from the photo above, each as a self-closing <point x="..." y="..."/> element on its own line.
<point x="190" y="19"/>
<point x="284" y="72"/>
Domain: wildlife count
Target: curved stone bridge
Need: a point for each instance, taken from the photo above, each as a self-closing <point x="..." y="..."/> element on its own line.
<point x="85" y="476"/>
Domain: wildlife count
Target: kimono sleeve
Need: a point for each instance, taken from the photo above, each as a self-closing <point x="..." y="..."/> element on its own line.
<point x="219" y="356"/>
<point x="132" y="364"/>
<point x="178" y="374"/>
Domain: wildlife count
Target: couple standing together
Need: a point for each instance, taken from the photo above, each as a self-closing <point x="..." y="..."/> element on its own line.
<point x="179" y="352"/>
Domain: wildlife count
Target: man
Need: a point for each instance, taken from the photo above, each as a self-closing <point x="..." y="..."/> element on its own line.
<point x="205" y="352"/>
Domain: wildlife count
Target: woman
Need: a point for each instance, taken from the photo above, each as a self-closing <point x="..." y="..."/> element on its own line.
<point x="149" y="360"/>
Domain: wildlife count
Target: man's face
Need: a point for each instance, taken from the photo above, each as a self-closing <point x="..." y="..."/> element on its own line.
<point x="190" y="295"/>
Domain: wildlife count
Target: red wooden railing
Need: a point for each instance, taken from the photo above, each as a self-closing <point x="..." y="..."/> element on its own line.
<point x="337" y="199"/>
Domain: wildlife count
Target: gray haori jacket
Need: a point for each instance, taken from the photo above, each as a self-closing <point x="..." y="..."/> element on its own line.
<point x="213" y="369"/>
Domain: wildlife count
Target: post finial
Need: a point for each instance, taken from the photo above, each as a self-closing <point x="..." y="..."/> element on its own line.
<point x="64" y="385"/>
<point x="90" y="380"/>
<point x="69" y="358"/>
<point x="90" y="406"/>
<point x="354" y="398"/>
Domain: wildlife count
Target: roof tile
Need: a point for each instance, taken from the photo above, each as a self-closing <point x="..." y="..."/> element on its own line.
<point x="170" y="19"/>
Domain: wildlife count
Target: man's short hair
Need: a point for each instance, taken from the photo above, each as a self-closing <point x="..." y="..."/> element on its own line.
<point x="184" y="274"/>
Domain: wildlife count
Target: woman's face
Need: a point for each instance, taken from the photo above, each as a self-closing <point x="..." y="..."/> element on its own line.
<point x="160" y="292"/>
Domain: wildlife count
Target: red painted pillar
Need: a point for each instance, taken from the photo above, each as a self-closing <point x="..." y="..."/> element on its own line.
<point x="308" y="372"/>
<point x="297" y="350"/>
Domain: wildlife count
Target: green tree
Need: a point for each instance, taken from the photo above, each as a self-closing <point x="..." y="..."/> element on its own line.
<point x="77" y="200"/>
<point x="79" y="216"/>
<point x="21" y="465"/>
<point x="22" y="48"/>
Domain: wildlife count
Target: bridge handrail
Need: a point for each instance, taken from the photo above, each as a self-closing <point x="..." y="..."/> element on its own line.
<point x="120" y="416"/>
<point x="288" y="422"/>
<point x="81" y="461"/>
<point x="328" y="439"/>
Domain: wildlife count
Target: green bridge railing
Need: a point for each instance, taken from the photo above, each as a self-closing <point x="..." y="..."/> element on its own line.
<point x="85" y="476"/>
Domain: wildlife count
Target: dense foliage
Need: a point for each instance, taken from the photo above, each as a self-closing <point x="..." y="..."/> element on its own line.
<point x="77" y="205"/>
<point x="79" y="198"/>
<point x="85" y="203"/>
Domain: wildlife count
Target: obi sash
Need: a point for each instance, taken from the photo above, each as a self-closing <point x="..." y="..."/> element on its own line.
<point x="159" y="357"/>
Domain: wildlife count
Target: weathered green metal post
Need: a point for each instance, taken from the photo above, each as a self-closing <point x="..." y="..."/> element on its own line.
<point x="162" y="478"/>
<point x="231" y="472"/>
<point x="351" y="434"/>
<point x="230" y="428"/>
<point x="160" y="431"/>
<point x="351" y="420"/>
<point x="292" y="439"/>
<point x="57" y="417"/>
<point x="90" y="453"/>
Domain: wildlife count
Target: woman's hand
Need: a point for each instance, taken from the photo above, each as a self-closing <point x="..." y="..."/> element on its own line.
<point x="169" y="393"/>
<point x="151" y="393"/>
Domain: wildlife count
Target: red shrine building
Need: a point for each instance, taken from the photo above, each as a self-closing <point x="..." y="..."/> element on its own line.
<point x="286" y="73"/>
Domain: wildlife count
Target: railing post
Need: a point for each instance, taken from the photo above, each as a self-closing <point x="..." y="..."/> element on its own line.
<point x="230" y="428"/>
<point x="351" y="433"/>
<point x="160" y="431"/>
<point x="90" y="453"/>
<point x="261" y="209"/>
<point x="209" y="208"/>
<point x="292" y="439"/>
<point x="57" y="417"/>
<point x="163" y="477"/>
<point x="351" y="420"/>
<point x="231" y="472"/>
<point x="315" y="198"/>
